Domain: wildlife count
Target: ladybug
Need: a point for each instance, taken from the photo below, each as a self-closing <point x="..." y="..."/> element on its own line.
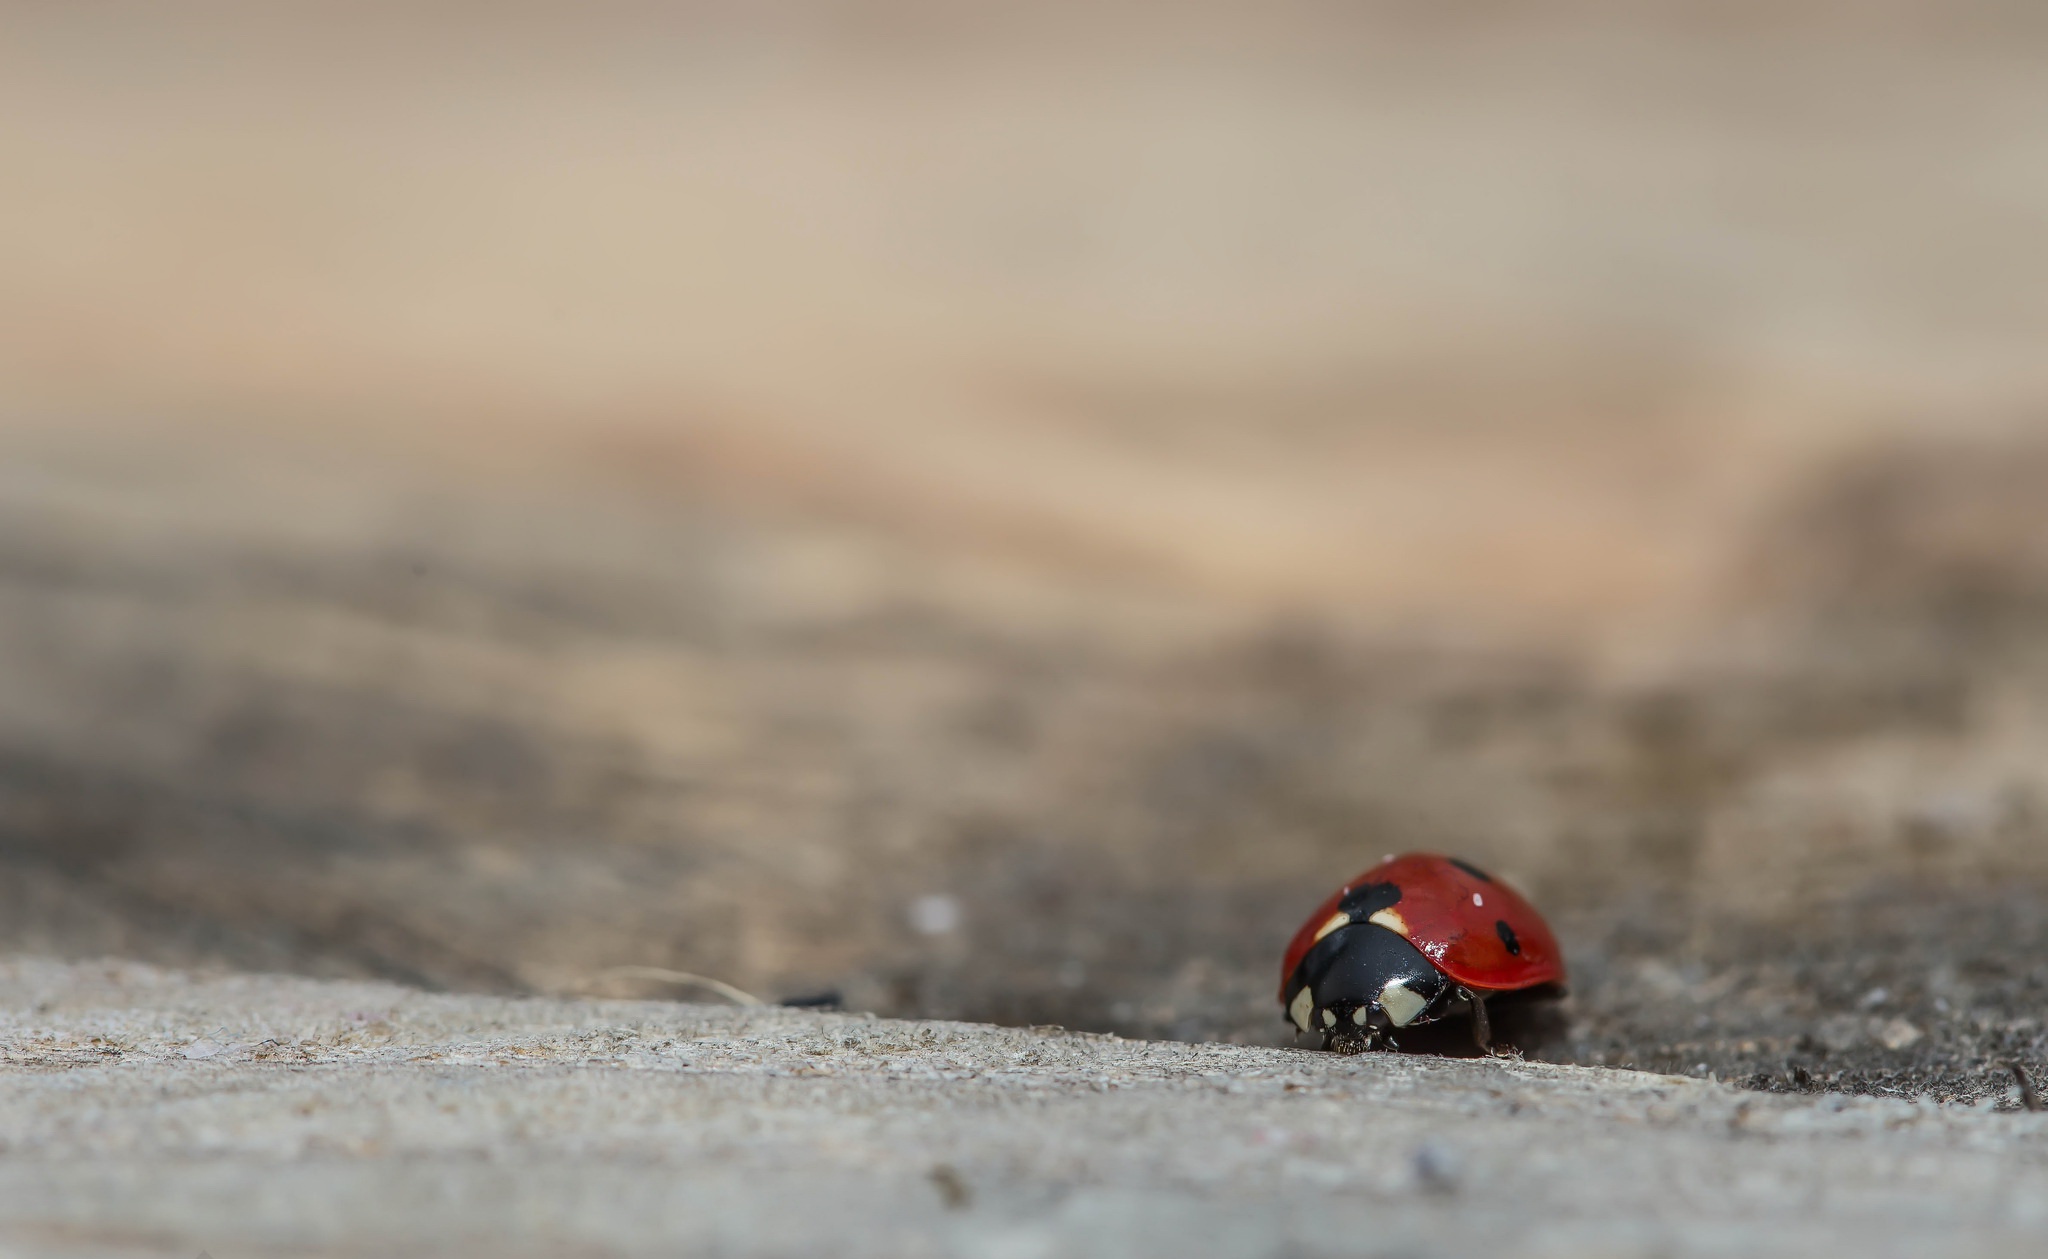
<point x="1415" y="939"/>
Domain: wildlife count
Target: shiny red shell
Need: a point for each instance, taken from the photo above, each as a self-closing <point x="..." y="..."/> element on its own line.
<point x="1477" y="930"/>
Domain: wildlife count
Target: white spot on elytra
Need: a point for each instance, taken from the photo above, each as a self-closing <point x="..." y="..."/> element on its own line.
<point x="1329" y="1018"/>
<point x="1336" y="920"/>
<point x="935" y="915"/>
<point x="1401" y="1003"/>
<point x="1478" y="900"/>
<point x="1392" y="921"/>
<point x="1303" y="1005"/>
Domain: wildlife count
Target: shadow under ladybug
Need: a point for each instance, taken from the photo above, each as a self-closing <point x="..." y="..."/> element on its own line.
<point x="1415" y="941"/>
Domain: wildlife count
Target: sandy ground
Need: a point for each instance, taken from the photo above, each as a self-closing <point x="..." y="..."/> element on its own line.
<point x="149" y="1114"/>
<point x="992" y="514"/>
<point x="306" y="714"/>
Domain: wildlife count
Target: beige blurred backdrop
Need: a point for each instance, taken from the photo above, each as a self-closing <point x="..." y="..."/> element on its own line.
<point x="724" y="406"/>
<point x="1393" y="309"/>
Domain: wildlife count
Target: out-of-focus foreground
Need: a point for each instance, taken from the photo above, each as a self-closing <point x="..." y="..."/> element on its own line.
<point x="993" y="513"/>
<point x="149" y="1115"/>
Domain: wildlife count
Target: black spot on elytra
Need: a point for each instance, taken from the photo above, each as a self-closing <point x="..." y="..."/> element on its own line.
<point x="1367" y="899"/>
<point x="1472" y="870"/>
<point x="1507" y="936"/>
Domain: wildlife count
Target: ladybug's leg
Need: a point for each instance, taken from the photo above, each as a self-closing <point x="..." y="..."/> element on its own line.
<point x="1482" y="1027"/>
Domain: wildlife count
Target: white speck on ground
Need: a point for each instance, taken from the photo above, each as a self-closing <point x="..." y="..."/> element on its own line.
<point x="143" y="1112"/>
<point x="935" y="915"/>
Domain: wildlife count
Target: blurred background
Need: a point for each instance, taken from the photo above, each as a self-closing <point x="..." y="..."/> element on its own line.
<point x="992" y="511"/>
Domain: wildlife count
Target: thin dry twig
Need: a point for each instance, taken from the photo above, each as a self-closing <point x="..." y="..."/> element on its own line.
<point x="664" y="975"/>
<point x="2028" y="1097"/>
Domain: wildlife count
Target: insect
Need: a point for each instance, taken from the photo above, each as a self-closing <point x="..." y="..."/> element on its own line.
<point x="1415" y="939"/>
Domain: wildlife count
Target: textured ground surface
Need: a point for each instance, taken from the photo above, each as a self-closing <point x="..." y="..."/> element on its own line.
<point x="143" y="1113"/>
<point x="993" y="510"/>
<point x="301" y="713"/>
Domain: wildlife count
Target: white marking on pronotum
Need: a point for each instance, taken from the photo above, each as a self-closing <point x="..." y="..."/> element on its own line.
<point x="1478" y="900"/>
<point x="1329" y="1018"/>
<point x="1400" y="1003"/>
<point x="1362" y="1015"/>
<point x="1392" y="921"/>
<point x="1336" y="920"/>
<point x="1303" y="1005"/>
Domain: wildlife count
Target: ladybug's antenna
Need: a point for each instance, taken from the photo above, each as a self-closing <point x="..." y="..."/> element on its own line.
<point x="664" y="975"/>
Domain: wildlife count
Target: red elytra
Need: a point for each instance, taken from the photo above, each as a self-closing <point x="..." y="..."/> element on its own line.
<point x="1461" y="919"/>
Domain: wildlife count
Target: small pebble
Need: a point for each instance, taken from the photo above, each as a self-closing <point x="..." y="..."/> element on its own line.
<point x="1436" y="1169"/>
<point x="1897" y="1034"/>
<point x="934" y="915"/>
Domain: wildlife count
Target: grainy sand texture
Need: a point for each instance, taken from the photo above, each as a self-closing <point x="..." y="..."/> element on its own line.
<point x="989" y="513"/>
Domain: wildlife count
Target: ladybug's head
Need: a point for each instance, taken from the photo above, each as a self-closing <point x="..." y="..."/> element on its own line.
<point x="1361" y="982"/>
